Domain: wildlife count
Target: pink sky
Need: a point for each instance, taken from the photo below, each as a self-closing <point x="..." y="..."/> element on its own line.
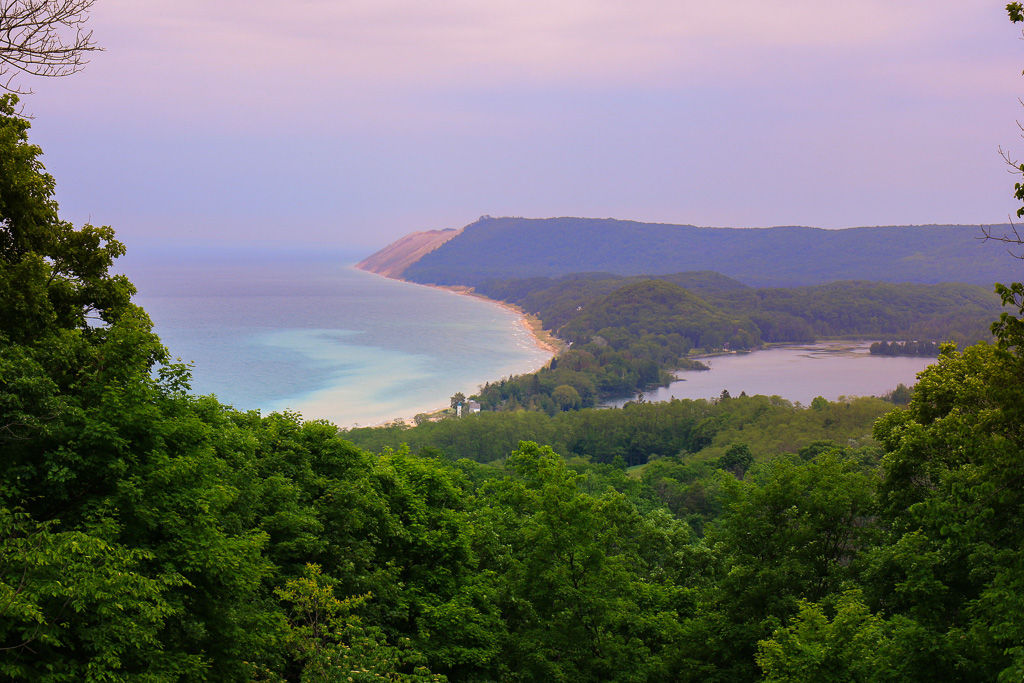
<point x="356" y="122"/>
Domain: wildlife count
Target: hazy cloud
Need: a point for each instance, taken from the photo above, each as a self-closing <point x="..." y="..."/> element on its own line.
<point x="311" y="45"/>
<point x="243" y="117"/>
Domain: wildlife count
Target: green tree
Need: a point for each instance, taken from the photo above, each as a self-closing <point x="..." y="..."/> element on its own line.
<point x="952" y="495"/>
<point x="74" y="589"/>
<point x="737" y="459"/>
<point x="332" y="642"/>
<point x="900" y="395"/>
<point x="433" y="592"/>
<point x="788" y="531"/>
<point x="566" y="397"/>
<point x="128" y="491"/>
<point x="951" y="569"/>
<point x="586" y="581"/>
<point x="852" y="644"/>
<point x="54" y="276"/>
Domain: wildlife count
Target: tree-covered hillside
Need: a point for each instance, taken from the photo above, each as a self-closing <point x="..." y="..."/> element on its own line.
<point x="570" y="304"/>
<point x="503" y="248"/>
<point x="630" y="333"/>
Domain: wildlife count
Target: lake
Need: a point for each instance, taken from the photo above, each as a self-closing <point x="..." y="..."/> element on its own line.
<point x="797" y="373"/>
<point x="300" y="329"/>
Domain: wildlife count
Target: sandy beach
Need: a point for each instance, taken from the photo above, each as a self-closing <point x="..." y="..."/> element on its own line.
<point x="543" y="339"/>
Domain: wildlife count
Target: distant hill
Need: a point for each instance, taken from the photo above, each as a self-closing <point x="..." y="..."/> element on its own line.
<point x="505" y="248"/>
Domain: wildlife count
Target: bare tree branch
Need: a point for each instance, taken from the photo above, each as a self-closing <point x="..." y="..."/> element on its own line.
<point x="1016" y="168"/>
<point x="43" y="38"/>
<point x="1016" y="239"/>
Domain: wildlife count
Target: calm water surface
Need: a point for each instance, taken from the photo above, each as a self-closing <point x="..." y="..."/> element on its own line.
<point x="304" y="331"/>
<point x="797" y="373"/>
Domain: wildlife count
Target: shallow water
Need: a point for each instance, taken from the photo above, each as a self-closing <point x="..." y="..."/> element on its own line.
<point x="797" y="373"/>
<point x="304" y="331"/>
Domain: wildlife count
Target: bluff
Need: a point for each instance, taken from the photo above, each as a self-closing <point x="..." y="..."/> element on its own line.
<point x="504" y="248"/>
<point x="392" y="260"/>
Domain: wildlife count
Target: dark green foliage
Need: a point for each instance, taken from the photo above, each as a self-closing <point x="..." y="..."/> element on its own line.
<point x="54" y="276"/>
<point x="620" y="343"/>
<point x="737" y="459"/>
<point x="556" y="301"/>
<point x="142" y="530"/>
<point x="850" y="643"/>
<point x="457" y="400"/>
<point x="583" y="595"/>
<point x="901" y="395"/>
<point x="785" y="256"/>
<point x="790" y="531"/>
<point x="77" y="591"/>
<point x="645" y="312"/>
<point x="953" y="497"/>
<point x="1016" y="12"/>
<point x="868" y="310"/>
<point x="941" y="587"/>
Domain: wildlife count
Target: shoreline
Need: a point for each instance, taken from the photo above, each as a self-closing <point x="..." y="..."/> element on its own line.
<point x="789" y="382"/>
<point x="542" y="339"/>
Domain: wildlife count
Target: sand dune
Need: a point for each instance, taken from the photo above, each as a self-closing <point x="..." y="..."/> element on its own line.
<point x="392" y="260"/>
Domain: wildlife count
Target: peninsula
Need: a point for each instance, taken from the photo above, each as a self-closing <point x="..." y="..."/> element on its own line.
<point x="516" y="248"/>
<point x="595" y="285"/>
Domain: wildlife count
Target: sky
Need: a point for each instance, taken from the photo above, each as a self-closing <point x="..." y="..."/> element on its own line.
<point x="354" y="122"/>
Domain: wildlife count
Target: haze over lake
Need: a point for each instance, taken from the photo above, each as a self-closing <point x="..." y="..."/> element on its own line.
<point x="302" y="330"/>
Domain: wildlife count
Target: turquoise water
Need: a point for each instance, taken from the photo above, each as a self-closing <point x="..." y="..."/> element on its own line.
<point x="302" y="330"/>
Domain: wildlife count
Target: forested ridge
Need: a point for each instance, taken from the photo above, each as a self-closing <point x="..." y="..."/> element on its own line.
<point x="513" y="247"/>
<point x="150" y="534"/>
<point x="844" y="309"/>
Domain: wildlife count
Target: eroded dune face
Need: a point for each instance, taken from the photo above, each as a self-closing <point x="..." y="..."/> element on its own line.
<point x="392" y="260"/>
